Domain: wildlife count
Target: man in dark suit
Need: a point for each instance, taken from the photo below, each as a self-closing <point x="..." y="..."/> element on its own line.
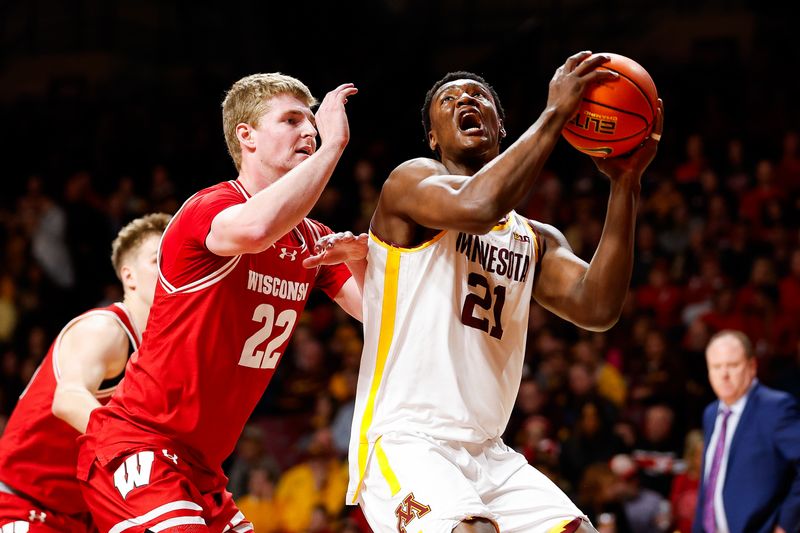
<point x="752" y="447"/>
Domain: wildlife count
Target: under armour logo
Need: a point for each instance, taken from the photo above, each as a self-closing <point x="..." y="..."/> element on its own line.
<point x="40" y="516"/>
<point x="173" y="457"/>
<point x="285" y="253"/>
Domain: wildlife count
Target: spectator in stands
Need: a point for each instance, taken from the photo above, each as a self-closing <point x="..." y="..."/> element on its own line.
<point x="591" y="440"/>
<point x="695" y="162"/>
<point x="600" y="497"/>
<point x="320" y="479"/>
<point x="258" y="504"/>
<point x="686" y="484"/>
<point x="647" y="511"/>
<point x="658" y="449"/>
<point x="250" y="453"/>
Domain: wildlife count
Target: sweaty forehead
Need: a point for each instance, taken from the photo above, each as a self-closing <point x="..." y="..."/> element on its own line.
<point x="461" y="84"/>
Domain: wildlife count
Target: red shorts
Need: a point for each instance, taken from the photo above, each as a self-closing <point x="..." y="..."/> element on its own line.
<point x="19" y="515"/>
<point x="156" y="490"/>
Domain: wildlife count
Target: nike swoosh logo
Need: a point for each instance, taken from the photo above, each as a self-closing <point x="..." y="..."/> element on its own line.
<point x="604" y="150"/>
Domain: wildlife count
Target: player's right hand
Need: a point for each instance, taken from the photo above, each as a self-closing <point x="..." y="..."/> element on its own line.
<point x="337" y="248"/>
<point x="571" y="80"/>
<point x="635" y="163"/>
<point x="331" y="117"/>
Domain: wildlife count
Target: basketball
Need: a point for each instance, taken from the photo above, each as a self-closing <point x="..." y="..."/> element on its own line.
<point x="615" y="116"/>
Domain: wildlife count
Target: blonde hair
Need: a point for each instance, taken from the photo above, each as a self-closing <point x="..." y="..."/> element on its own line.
<point x="248" y="99"/>
<point x="693" y="444"/>
<point x="692" y="441"/>
<point x="133" y="235"/>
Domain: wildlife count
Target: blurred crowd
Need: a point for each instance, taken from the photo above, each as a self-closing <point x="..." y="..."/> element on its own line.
<point x="611" y="417"/>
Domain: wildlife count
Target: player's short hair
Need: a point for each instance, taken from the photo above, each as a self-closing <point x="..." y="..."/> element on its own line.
<point x="133" y="235"/>
<point x="248" y="99"/>
<point x="456" y="75"/>
<point x="740" y="336"/>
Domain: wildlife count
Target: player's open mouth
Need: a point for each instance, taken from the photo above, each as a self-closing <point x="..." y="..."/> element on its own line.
<point x="307" y="150"/>
<point x="470" y="122"/>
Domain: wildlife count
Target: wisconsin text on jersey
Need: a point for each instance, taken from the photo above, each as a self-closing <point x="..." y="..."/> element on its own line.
<point x="503" y="261"/>
<point x="269" y="285"/>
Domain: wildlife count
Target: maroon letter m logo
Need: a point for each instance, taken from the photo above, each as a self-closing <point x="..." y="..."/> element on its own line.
<point x="408" y="510"/>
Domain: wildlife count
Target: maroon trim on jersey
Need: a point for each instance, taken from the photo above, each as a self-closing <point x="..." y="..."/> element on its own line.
<point x="540" y="241"/>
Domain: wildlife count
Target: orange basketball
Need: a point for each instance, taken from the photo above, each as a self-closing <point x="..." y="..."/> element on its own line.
<point x="615" y="116"/>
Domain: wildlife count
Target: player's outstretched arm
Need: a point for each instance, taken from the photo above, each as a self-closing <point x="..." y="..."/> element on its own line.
<point x="92" y="349"/>
<point x="344" y="247"/>
<point x="272" y="212"/>
<point x="424" y="191"/>
<point x="592" y="295"/>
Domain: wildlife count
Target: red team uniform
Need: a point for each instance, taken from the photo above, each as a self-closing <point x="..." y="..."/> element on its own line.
<point x="151" y="459"/>
<point x="38" y="488"/>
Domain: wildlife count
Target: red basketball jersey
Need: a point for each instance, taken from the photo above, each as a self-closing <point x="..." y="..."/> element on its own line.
<point x="38" y="451"/>
<point x="216" y="332"/>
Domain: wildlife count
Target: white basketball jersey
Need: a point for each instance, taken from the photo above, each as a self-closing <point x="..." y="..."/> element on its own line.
<point x="445" y="326"/>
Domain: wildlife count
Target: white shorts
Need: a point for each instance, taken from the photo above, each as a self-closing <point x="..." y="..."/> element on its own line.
<point x="415" y="483"/>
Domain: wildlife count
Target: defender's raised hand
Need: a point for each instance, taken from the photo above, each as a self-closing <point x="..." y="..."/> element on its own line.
<point x="338" y="248"/>
<point x="331" y="117"/>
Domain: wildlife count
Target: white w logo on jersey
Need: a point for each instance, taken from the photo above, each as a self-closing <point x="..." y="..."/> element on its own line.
<point x="15" y="527"/>
<point x="134" y="472"/>
<point x="285" y="253"/>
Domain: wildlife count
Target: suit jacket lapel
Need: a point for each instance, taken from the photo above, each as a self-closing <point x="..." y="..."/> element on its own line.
<point x="708" y="430"/>
<point x="745" y="421"/>
<point x="711" y="418"/>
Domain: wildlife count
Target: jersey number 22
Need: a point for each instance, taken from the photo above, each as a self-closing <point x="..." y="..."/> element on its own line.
<point x="268" y="357"/>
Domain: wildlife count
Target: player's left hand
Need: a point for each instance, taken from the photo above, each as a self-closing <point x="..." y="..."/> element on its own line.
<point x="635" y="163"/>
<point x="338" y="248"/>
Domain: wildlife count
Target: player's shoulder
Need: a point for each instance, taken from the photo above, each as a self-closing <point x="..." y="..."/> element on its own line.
<point x="546" y="231"/>
<point x="97" y="325"/>
<point x="409" y="175"/>
<point x="417" y="168"/>
<point x="224" y="188"/>
<point x="775" y="396"/>
<point x="222" y="193"/>
<point x="548" y="237"/>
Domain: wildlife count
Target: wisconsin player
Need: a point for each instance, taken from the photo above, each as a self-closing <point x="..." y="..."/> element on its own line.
<point x="230" y="293"/>
<point x="38" y="488"/>
<point x="450" y="275"/>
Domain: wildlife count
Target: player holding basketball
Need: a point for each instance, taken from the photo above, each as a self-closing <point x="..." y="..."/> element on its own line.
<point x="451" y="271"/>
<point x="231" y="290"/>
<point x="38" y="488"/>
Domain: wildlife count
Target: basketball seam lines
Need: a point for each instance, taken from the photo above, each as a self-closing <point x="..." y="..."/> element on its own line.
<point x="646" y="97"/>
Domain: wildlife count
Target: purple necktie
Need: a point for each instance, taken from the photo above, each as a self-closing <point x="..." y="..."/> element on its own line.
<point x="709" y="520"/>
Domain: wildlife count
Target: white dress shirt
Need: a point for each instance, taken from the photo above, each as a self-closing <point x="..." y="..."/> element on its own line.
<point x="737" y="408"/>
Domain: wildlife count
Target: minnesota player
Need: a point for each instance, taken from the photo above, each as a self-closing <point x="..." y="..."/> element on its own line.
<point x="451" y="272"/>
<point x="38" y="488"/>
<point x="231" y="290"/>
